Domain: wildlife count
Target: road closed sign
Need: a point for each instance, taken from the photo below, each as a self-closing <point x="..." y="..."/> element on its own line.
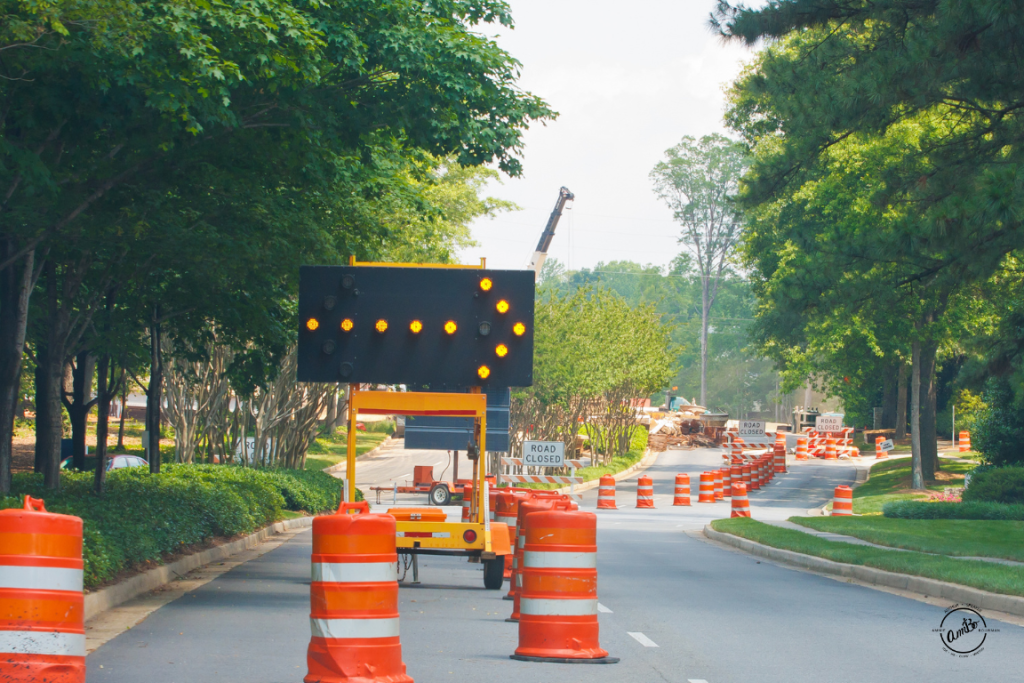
<point x="749" y="428"/>
<point x="832" y="422"/>
<point x="544" y="453"/>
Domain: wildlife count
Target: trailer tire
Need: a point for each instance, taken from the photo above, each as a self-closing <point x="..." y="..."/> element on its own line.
<point x="439" y="495"/>
<point x="494" y="573"/>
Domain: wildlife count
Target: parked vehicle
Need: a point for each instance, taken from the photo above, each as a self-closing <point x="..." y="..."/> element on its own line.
<point x="114" y="462"/>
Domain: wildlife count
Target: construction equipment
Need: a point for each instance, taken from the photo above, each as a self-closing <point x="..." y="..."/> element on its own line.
<point x="537" y="260"/>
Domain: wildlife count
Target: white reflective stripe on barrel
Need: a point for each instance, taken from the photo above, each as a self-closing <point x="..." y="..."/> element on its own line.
<point x="536" y="559"/>
<point x="645" y="497"/>
<point x="511" y="521"/>
<point x="42" y="643"/>
<point x="354" y="628"/>
<point x="522" y="541"/>
<point x="557" y="608"/>
<point x="41" y="578"/>
<point x="355" y="572"/>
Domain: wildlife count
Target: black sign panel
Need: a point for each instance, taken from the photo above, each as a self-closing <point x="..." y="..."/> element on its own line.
<point x="448" y="328"/>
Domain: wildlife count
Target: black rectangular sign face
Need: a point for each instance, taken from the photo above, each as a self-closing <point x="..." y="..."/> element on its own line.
<point x="449" y="328"/>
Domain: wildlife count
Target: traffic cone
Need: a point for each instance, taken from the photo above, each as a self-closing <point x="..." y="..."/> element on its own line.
<point x="682" y="494"/>
<point x="537" y="502"/>
<point x="645" y="492"/>
<point x="706" y="493"/>
<point x="842" y="502"/>
<point x="42" y="630"/>
<point x="606" y="493"/>
<point x="740" y="503"/>
<point x="558" y="601"/>
<point x="354" y="600"/>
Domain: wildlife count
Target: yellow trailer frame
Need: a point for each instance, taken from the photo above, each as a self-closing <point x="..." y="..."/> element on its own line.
<point x="488" y="539"/>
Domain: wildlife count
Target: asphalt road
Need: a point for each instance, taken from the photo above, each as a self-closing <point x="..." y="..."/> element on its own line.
<point x="710" y="613"/>
<point x="393" y="463"/>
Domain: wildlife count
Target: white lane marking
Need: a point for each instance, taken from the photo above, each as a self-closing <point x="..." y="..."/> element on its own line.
<point x="642" y="639"/>
<point x="602" y="608"/>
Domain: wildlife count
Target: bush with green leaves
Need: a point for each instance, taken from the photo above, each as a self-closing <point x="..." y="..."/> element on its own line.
<point x="996" y="485"/>
<point x="917" y="509"/>
<point x="144" y="518"/>
<point x="999" y="429"/>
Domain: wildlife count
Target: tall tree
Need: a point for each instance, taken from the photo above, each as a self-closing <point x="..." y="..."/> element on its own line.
<point x="697" y="181"/>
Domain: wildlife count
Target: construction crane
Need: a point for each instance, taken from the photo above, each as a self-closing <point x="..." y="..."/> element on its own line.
<point x="537" y="260"/>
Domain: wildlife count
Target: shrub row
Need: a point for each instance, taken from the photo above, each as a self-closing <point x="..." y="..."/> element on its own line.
<point x="914" y="509"/>
<point x="996" y="485"/>
<point x="143" y="518"/>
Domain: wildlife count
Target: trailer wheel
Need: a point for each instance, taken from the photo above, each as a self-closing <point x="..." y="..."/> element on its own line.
<point x="494" y="573"/>
<point x="439" y="495"/>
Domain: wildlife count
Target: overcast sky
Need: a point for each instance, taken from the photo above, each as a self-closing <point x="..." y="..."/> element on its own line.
<point x="628" y="80"/>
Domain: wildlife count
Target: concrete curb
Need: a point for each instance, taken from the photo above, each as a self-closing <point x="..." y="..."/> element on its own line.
<point x="100" y="601"/>
<point x="645" y="462"/>
<point x="956" y="593"/>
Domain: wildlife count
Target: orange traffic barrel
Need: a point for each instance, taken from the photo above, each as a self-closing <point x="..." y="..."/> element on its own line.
<point x="726" y="481"/>
<point x="830" y="448"/>
<point x="801" y="448"/>
<point x="706" y="492"/>
<point x="645" y="492"/>
<point x="750" y="477"/>
<point x="354" y="601"/>
<point x="682" y="493"/>
<point x="492" y="501"/>
<point x="606" y="493"/>
<point x="766" y="471"/>
<point x="779" y="451"/>
<point x="558" y="600"/>
<point x="717" y="474"/>
<point x="842" y="502"/>
<point x="879" y="453"/>
<point x="538" y="503"/>
<point x="42" y="631"/>
<point x="506" y="508"/>
<point x="740" y="503"/>
<point x="467" y="502"/>
<point x="736" y="474"/>
<point x="965" y="442"/>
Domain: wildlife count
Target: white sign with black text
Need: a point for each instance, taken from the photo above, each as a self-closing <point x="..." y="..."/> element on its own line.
<point x="544" y="453"/>
<point x="751" y="428"/>
<point x="829" y="423"/>
<point x="886" y="445"/>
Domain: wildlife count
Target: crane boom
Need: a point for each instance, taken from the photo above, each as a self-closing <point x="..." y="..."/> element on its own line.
<point x="537" y="260"/>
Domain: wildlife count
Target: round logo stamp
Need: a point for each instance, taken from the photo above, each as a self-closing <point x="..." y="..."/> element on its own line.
<point x="963" y="631"/>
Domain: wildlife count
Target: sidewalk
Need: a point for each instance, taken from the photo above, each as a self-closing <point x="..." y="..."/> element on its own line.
<point x="829" y="536"/>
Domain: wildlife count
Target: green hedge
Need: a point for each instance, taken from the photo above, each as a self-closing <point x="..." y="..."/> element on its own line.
<point x="996" y="485"/>
<point x="912" y="509"/>
<point x="144" y="518"/>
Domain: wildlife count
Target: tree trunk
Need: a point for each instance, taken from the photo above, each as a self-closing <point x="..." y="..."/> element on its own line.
<point x="124" y="410"/>
<point x="705" y="310"/>
<point x="917" y="474"/>
<point x="15" y="289"/>
<point x="49" y="430"/>
<point x="332" y="413"/>
<point x="929" y="445"/>
<point x="901" y="403"/>
<point x="103" y="397"/>
<point x="154" y="393"/>
<point x="890" y="395"/>
<point x="80" y="405"/>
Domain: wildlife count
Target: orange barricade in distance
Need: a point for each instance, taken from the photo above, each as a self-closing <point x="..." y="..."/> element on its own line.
<point x="682" y="492"/>
<point x="606" y="493"/>
<point x="706" y="493"/>
<point x="740" y="503"/>
<point x="558" y="598"/>
<point x="354" y="601"/>
<point x="42" y="630"/>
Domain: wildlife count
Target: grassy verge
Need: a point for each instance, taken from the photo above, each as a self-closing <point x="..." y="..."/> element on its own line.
<point x="890" y="480"/>
<point x="957" y="537"/>
<point x="988" y="576"/>
<point x="330" y="449"/>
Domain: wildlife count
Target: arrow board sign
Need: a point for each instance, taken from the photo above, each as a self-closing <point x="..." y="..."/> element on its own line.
<point x="544" y="453"/>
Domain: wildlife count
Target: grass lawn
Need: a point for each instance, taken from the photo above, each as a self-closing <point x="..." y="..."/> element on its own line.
<point x="962" y="537"/>
<point x="988" y="576"/>
<point x="329" y="449"/>
<point x="890" y="480"/>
